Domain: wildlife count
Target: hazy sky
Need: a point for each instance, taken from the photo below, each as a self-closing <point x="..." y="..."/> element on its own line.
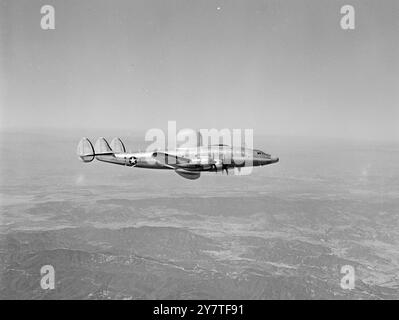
<point x="279" y="67"/>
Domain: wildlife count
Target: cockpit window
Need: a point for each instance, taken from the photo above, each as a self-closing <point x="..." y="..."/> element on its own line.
<point x="261" y="153"/>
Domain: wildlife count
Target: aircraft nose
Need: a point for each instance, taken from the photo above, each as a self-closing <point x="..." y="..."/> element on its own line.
<point x="269" y="160"/>
<point x="275" y="159"/>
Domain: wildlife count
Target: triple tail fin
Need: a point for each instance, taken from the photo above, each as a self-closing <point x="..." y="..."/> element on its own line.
<point x="102" y="147"/>
<point x="87" y="152"/>
<point x="117" y="146"/>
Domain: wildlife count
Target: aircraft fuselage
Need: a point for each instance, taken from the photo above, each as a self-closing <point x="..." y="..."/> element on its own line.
<point x="231" y="158"/>
<point x="187" y="162"/>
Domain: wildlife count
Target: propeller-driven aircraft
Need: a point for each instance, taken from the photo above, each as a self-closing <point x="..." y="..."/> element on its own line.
<point x="186" y="162"/>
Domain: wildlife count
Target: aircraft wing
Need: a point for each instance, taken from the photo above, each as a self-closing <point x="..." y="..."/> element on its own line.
<point x="182" y="166"/>
<point x="188" y="164"/>
<point x="168" y="160"/>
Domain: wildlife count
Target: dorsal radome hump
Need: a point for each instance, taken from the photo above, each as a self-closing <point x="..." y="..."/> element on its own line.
<point x="117" y="146"/>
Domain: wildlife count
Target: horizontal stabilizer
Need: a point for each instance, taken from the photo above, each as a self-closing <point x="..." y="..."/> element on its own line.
<point x="87" y="153"/>
<point x="102" y="147"/>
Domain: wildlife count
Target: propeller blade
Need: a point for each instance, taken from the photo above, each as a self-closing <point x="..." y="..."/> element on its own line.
<point x="225" y="168"/>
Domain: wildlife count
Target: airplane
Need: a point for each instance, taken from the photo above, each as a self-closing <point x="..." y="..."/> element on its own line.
<point x="186" y="162"/>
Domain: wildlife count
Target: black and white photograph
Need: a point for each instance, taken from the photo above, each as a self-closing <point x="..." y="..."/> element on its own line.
<point x="207" y="150"/>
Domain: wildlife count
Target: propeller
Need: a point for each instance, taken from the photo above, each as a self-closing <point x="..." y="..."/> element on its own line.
<point x="219" y="164"/>
<point x="224" y="167"/>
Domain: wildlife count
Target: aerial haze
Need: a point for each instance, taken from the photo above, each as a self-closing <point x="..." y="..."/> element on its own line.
<point x="278" y="67"/>
<point x="322" y="99"/>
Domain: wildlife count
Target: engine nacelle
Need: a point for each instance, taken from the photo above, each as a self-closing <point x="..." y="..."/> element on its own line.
<point x="217" y="166"/>
<point x="209" y="164"/>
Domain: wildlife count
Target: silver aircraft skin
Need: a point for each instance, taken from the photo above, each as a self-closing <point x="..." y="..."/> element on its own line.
<point x="187" y="162"/>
